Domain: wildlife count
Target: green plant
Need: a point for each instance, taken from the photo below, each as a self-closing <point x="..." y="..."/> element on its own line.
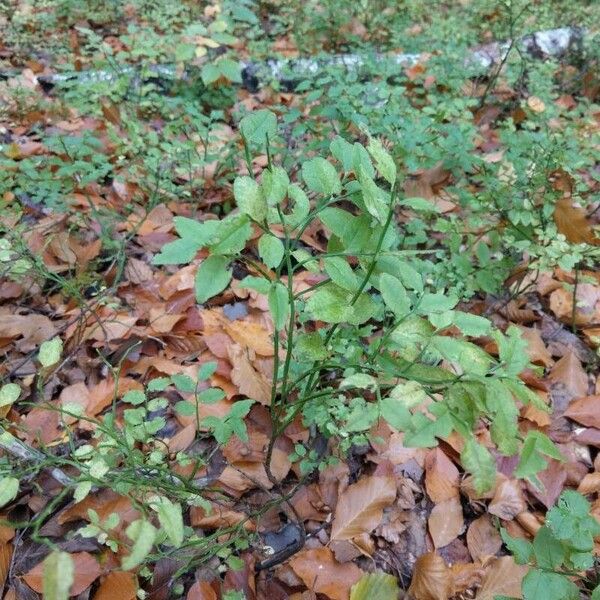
<point x="561" y="550"/>
<point x="330" y="364"/>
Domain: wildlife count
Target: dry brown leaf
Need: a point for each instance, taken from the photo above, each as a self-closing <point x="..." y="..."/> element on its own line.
<point x="590" y="484"/>
<point x="86" y="571"/>
<point x="360" y="506"/>
<point x="483" y="538"/>
<point x="322" y="574"/>
<point x="536" y="349"/>
<point x="117" y="585"/>
<point x="588" y="304"/>
<point x="219" y="516"/>
<point x="508" y="500"/>
<point x="6" y="551"/>
<point x="251" y="335"/>
<point x="34" y="329"/>
<point x="446" y="522"/>
<point x="137" y="271"/>
<point x="572" y="222"/>
<point x="552" y="478"/>
<point x="441" y="476"/>
<point x="201" y="590"/>
<point x="431" y="579"/>
<point x="570" y="373"/>
<point x="503" y="578"/>
<point x="585" y="411"/>
<point x="248" y="380"/>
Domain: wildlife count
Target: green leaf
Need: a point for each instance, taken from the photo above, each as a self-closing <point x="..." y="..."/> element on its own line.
<point x="185" y="408"/>
<point x="436" y="303"/>
<point x="536" y="446"/>
<point x="332" y="304"/>
<point x="170" y="518"/>
<point x="9" y="393"/>
<point x="158" y="384"/>
<point x="341" y="273"/>
<point x="9" y="487"/>
<point x="470" y="357"/>
<point x="134" y="397"/>
<point x="520" y="549"/>
<point x="394" y="295"/>
<point x="212" y="277"/>
<point x="211" y="395"/>
<point x="249" y="198"/>
<point x="271" y="250"/>
<point x="178" y="252"/>
<point x="279" y="305"/>
<point x="477" y="460"/>
<point x="201" y="233"/>
<point x="541" y="585"/>
<point x="396" y="413"/>
<point x="258" y="284"/>
<point x="362" y="381"/>
<point x="420" y="204"/>
<point x="259" y="124"/>
<point x="570" y="521"/>
<point x="50" y="352"/>
<point x="504" y="429"/>
<point x="343" y="151"/>
<point x="472" y="325"/>
<point x="231" y="235"/>
<point x="230" y="69"/>
<point x="58" y="575"/>
<point x="512" y="350"/>
<point x="142" y="534"/>
<point x="375" y="200"/>
<point x="310" y="346"/>
<point x="183" y="382"/>
<point x="207" y="369"/>
<point x="321" y="177"/>
<point x="549" y="552"/>
<point x="275" y="183"/>
<point x="375" y="586"/>
<point x="383" y="160"/>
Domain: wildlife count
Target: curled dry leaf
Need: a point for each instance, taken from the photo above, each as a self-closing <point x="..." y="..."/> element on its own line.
<point x="249" y="381"/>
<point x="322" y="574"/>
<point x="441" y="476"/>
<point x="536" y="349"/>
<point x="360" y="507"/>
<point x="446" y="522"/>
<point x="483" y="538"/>
<point x="431" y="579"/>
<point x="117" y="585"/>
<point x="86" y="571"/>
<point x="503" y="578"/>
<point x="508" y="500"/>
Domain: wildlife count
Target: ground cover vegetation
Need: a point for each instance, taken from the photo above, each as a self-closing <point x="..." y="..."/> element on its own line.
<point x="330" y="335"/>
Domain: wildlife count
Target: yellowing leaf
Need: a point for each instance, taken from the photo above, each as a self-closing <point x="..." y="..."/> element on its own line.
<point x="58" y="576"/>
<point x="360" y="507"/>
<point x="375" y="586"/>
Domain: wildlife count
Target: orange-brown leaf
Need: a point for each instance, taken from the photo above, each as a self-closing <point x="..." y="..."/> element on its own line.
<point x="6" y="550"/>
<point x="585" y="411"/>
<point x="503" y="578"/>
<point x="201" y="590"/>
<point x="361" y="505"/>
<point x="431" y="579"/>
<point x="446" y="522"/>
<point x="508" y="500"/>
<point x="483" y="538"/>
<point x="322" y="574"/>
<point x="86" y="571"/>
<point x="572" y="222"/>
<point x="441" y="476"/>
<point x="117" y="585"/>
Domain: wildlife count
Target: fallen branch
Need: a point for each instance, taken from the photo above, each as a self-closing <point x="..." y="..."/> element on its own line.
<point x="290" y="72"/>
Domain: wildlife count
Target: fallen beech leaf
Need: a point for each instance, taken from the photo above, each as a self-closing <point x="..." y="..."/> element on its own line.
<point x="585" y="411"/>
<point x="322" y="574"/>
<point x="431" y="579"/>
<point x="590" y="484"/>
<point x="446" y="522"/>
<point x="536" y="349"/>
<point x="572" y="222"/>
<point x="441" y="476"/>
<point x="34" y="329"/>
<point x="250" y="335"/>
<point x="86" y="571"/>
<point x="248" y="380"/>
<point x="218" y="517"/>
<point x="503" y="578"/>
<point x="483" y="538"/>
<point x="6" y="551"/>
<point x="552" y="478"/>
<point x="117" y="585"/>
<point x="508" y="500"/>
<point x="570" y="373"/>
<point x="588" y="304"/>
<point x="201" y="590"/>
<point x="360" y="506"/>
